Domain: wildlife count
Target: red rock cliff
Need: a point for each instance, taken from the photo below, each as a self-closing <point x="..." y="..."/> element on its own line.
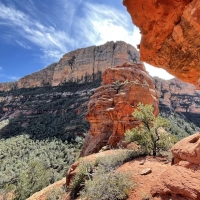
<point x="77" y="64"/>
<point x="170" y="35"/>
<point x="178" y="96"/>
<point x="111" y="106"/>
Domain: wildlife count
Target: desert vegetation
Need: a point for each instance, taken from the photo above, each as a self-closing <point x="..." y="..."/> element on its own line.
<point x="99" y="180"/>
<point x="29" y="165"/>
<point x="47" y="133"/>
<point x="150" y="134"/>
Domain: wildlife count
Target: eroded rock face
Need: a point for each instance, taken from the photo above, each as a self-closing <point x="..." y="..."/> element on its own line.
<point x="188" y="149"/>
<point x="183" y="178"/>
<point x="111" y="106"/>
<point x="41" y="78"/>
<point x="179" y="181"/>
<point x="170" y="35"/>
<point x="179" y="97"/>
<point x="81" y="64"/>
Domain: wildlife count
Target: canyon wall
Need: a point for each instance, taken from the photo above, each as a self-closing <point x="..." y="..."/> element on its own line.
<point x="170" y="32"/>
<point x="180" y="97"/>
<point x="78" y="64"/>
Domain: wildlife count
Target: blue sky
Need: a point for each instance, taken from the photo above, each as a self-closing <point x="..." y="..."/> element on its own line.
<point x="36" y="33"/>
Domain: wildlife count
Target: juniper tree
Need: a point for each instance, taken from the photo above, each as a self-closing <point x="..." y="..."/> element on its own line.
<point x="150" y="134"/>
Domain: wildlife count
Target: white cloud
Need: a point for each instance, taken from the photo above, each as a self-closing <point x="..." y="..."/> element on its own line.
<point x="1" y="68"/>
<point x="47" y="38"/>
<point x="13" y="78"/>
<point x="103" y="23"/>
<point x="154" y="71"/>
<point x="100" y="23"/>
<point x="24" y="45"/>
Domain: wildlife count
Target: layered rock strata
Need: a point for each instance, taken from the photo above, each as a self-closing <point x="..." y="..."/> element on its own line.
<point x="170" y="35"/>
<point x="179" y="97"/>
<point x="111" y="106"/>
<point x="79" y="65"/>
<point x="183" y="178"/>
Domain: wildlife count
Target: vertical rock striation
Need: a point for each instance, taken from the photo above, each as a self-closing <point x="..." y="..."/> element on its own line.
<point x="80" y="64"/>
<point x="180" y="97"/>
<point x="111" y="106"/>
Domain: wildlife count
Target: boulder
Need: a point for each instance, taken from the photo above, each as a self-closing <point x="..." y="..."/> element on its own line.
<point x="188" y="149"/>
<point x="183" y="178"/>
<point x="110" y="108"/>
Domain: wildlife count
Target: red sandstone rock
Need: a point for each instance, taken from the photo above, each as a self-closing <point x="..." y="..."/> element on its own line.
<point x="170" y="35"/>
<point x="179" y="181"/>
<point x="188" y="149"/>
<point x="7" y="86"/>
<point x="183" y="178"/>
<point x="111" y="106"/>
<point x="43" y="194"/>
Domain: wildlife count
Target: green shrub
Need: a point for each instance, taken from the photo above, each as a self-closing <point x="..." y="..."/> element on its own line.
<point x="32" y="180"/>
<point x="90" y="173"/>
<point x="107" y="186"/>
<point x="83" y="172"/>
<point x="111" y="162"/>
<point x="56" y="193"/>
<point x="149" y="134"/>
<point x="17" y="154"/>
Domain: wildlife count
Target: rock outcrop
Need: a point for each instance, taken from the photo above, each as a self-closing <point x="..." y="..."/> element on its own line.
<point x="187" y="151"/>
<point x="179" y="97"/>
<point x="111" y="106"/>
<point x="183" y="178"/>
<point x="170" y="35"/>
<point x="79" y="65"/>
<point x="41" y="78"/>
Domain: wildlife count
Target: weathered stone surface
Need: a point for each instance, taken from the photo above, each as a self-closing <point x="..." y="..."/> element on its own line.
<point x="111" y="106"/>
<point x="80" y="64"/>
<point x="170" y="35"/>
<point x="179" y="181"/>
<point x="183" y="178"/>
<point x="178" y="96"/>
<point x="146" y="171"/>
<point x="46" y="192"/>
<point x="188" y="149"/>
<point x="41" y="78"/>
